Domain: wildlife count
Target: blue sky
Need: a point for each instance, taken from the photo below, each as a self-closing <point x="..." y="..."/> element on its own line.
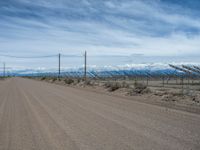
<point x="144" y="28"/>
<point x="149" y="27"/>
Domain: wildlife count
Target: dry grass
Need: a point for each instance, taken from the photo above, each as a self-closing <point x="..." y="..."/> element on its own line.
<point x="113" y="86"/>
<point x="139" y="88"/>
<point x="131" y="88"/>
<point x="68" y="81"/>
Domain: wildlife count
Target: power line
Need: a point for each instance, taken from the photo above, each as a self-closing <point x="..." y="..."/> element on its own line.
<point x="12" y="56"/>
<point x="45" y="56"/>
<point x="63" y="55"/>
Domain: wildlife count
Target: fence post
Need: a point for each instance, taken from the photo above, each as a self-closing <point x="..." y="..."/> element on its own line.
<point x="163" y="80"/>
<point x="147" y="80"/>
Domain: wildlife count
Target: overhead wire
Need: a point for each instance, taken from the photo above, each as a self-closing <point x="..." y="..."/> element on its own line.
<point x="12" y="56"/>
<point x="65" y="55"/>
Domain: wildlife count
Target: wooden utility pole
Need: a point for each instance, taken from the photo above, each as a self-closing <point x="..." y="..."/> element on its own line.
<point x="4" y="69"/>
<point x="85" y="66"/>
<point x="59" y="55"/>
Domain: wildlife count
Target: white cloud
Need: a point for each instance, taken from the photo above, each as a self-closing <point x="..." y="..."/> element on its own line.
<point x="100" y="27"/>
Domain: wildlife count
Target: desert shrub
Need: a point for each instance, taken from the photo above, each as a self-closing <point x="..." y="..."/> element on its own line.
<point x="135" y="91"/>
<point x="54" y="79"/>
<point x="43" y="78"/>
<point x="196" y="99"/>
<point x="140" y="86"/>
<point x="160" y="92"/>
<point x="178" y="94"/>
<point x="125" y="85"/>
<point x="107" y="84"/>
<point x="112" y="86"/>
<point x="78" y="80"/>
<point x="169" y="98"/>
<point x="69" y="81"/>
<point x="89" y="82"/>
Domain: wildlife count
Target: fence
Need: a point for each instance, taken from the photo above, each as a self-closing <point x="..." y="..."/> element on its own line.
<point x="82" y="66"/>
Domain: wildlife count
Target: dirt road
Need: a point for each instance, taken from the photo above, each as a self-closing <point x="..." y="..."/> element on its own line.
<point x="42" y="116"/>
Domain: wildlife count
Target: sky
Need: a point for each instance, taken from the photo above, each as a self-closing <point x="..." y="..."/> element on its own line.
<point x="102" y="27"/>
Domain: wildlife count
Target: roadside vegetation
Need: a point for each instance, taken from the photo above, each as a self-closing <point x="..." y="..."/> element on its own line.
<point x="3" y="78"/>
<point x="132" y="88"/>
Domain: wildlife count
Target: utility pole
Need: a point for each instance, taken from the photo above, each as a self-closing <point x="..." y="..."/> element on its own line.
<point x="59" y="55"/>
<point x="85" y="66"/>
<point x="4" y="69"/>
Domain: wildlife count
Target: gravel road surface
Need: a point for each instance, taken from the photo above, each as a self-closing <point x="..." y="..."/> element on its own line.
<point x="36" y="115"/>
